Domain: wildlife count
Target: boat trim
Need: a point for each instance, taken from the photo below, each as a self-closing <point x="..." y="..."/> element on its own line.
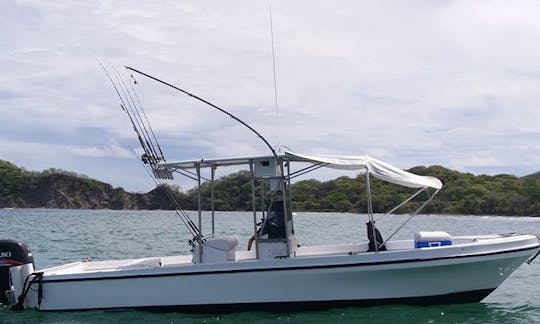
<point x="452" y="298"/>
<point x="462" y="297"/>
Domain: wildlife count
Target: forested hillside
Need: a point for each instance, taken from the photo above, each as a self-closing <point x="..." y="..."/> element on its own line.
<point x="463" y="193"/>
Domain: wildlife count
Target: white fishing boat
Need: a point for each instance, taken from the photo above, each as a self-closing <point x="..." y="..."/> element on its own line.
<point x="431" y="268"/>
<point x="276" y="271"/>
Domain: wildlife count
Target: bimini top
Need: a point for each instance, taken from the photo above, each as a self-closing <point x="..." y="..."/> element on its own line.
<point x="365" y="163"/>
<point x="377" y="168"/>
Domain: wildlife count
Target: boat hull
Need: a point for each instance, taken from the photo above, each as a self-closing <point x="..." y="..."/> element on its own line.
<point x="295" y="283"/>
<point x="453" y="298"/>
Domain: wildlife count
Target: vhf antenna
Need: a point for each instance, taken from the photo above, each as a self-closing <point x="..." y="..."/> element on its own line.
<point x="274" y="66"/>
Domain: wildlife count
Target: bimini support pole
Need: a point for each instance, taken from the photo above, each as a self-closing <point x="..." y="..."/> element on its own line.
<point x="284" y="195"/>
<point x="430" y="198"/>
<point x="402" y="203"/>
<point x="289" y="190"/>
<point x="212" y="197"/>
<point x="254" y="205"/>
<point x="199" y="238"/>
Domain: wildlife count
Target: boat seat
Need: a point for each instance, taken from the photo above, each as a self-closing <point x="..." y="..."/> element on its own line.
<point x="216" y="249"/>
<point x="222" y="243"/>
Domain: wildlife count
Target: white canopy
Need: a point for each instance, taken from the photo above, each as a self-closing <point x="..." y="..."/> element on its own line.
<point x="377" y="168"/>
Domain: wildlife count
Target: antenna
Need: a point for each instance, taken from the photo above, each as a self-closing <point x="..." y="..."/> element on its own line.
<point x="274" y="66"/>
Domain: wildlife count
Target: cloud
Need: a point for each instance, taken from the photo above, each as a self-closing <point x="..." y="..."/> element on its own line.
<point x="451" y="83"/>
<point x="101" y="152"/>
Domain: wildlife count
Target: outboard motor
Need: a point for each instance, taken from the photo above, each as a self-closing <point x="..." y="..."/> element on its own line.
<point x="12" y="253"/>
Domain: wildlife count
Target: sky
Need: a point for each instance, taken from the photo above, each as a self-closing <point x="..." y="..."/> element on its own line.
<point x="451" y="83"/>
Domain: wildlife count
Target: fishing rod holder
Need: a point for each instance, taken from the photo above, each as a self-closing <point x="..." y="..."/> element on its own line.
<point x="162" y="173"/>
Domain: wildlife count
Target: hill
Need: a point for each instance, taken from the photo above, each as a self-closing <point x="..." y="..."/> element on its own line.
<point x="463" y="193"/>
<point x="56" y="188"/>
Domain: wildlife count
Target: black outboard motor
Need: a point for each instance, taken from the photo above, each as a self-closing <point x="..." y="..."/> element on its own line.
<point x="12" y="253"/>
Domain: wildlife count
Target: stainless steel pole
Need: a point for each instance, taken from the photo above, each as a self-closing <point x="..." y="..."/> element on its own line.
<point x="198" y="168"/>
<point x="212" y="197"/>
<point x="254" y="206"/>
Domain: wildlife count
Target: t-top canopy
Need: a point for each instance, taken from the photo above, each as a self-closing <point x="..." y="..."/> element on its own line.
<point x="377" y="168"/>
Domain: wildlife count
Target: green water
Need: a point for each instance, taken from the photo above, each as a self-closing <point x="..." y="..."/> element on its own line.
<point x="60" y="236"/>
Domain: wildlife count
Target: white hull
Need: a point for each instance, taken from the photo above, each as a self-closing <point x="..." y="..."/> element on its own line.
<point x="459" y="273"/>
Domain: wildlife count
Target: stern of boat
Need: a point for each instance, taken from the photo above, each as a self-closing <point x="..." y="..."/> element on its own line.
<point x="16" y="268"/>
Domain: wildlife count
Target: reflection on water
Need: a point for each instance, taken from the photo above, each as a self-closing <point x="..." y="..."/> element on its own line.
<point x="60" y="236"/>
<point x="478" y="313"/>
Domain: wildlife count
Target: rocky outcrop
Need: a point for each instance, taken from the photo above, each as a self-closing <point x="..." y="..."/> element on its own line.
<point x="60" y="189"/>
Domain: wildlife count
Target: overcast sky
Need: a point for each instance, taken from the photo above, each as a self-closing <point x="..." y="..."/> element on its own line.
<point x="453" y="83"/>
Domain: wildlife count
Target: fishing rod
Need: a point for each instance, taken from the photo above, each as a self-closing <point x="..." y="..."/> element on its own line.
<point x="148" y="139"/>
<point x="129" y="106"/>
<point x="181" y="213"/>
<point x="123" y="106"/>
<point x="209" y="104"/>
<point x="155" y="174"/>
<point x="153" y="157"/>
<point x="146" y="118"/>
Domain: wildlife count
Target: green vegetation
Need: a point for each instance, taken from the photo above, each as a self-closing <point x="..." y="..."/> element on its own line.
<point x="463" y="193"/>
<point x="54" y="188"/>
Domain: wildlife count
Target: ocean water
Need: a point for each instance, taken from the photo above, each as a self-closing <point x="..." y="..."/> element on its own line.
<point x="61" y="236"/>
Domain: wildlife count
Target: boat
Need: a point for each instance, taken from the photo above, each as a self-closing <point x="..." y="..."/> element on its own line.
<point x="276" y="272"/>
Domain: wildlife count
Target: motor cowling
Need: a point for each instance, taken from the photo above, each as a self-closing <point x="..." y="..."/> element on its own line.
<point x="12" y="254"/>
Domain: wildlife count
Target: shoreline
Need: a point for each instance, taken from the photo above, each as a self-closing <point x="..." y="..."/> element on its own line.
<point x="297" y="213"/>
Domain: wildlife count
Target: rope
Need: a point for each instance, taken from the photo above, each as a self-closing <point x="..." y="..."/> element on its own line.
<point x="36" y="277"/>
